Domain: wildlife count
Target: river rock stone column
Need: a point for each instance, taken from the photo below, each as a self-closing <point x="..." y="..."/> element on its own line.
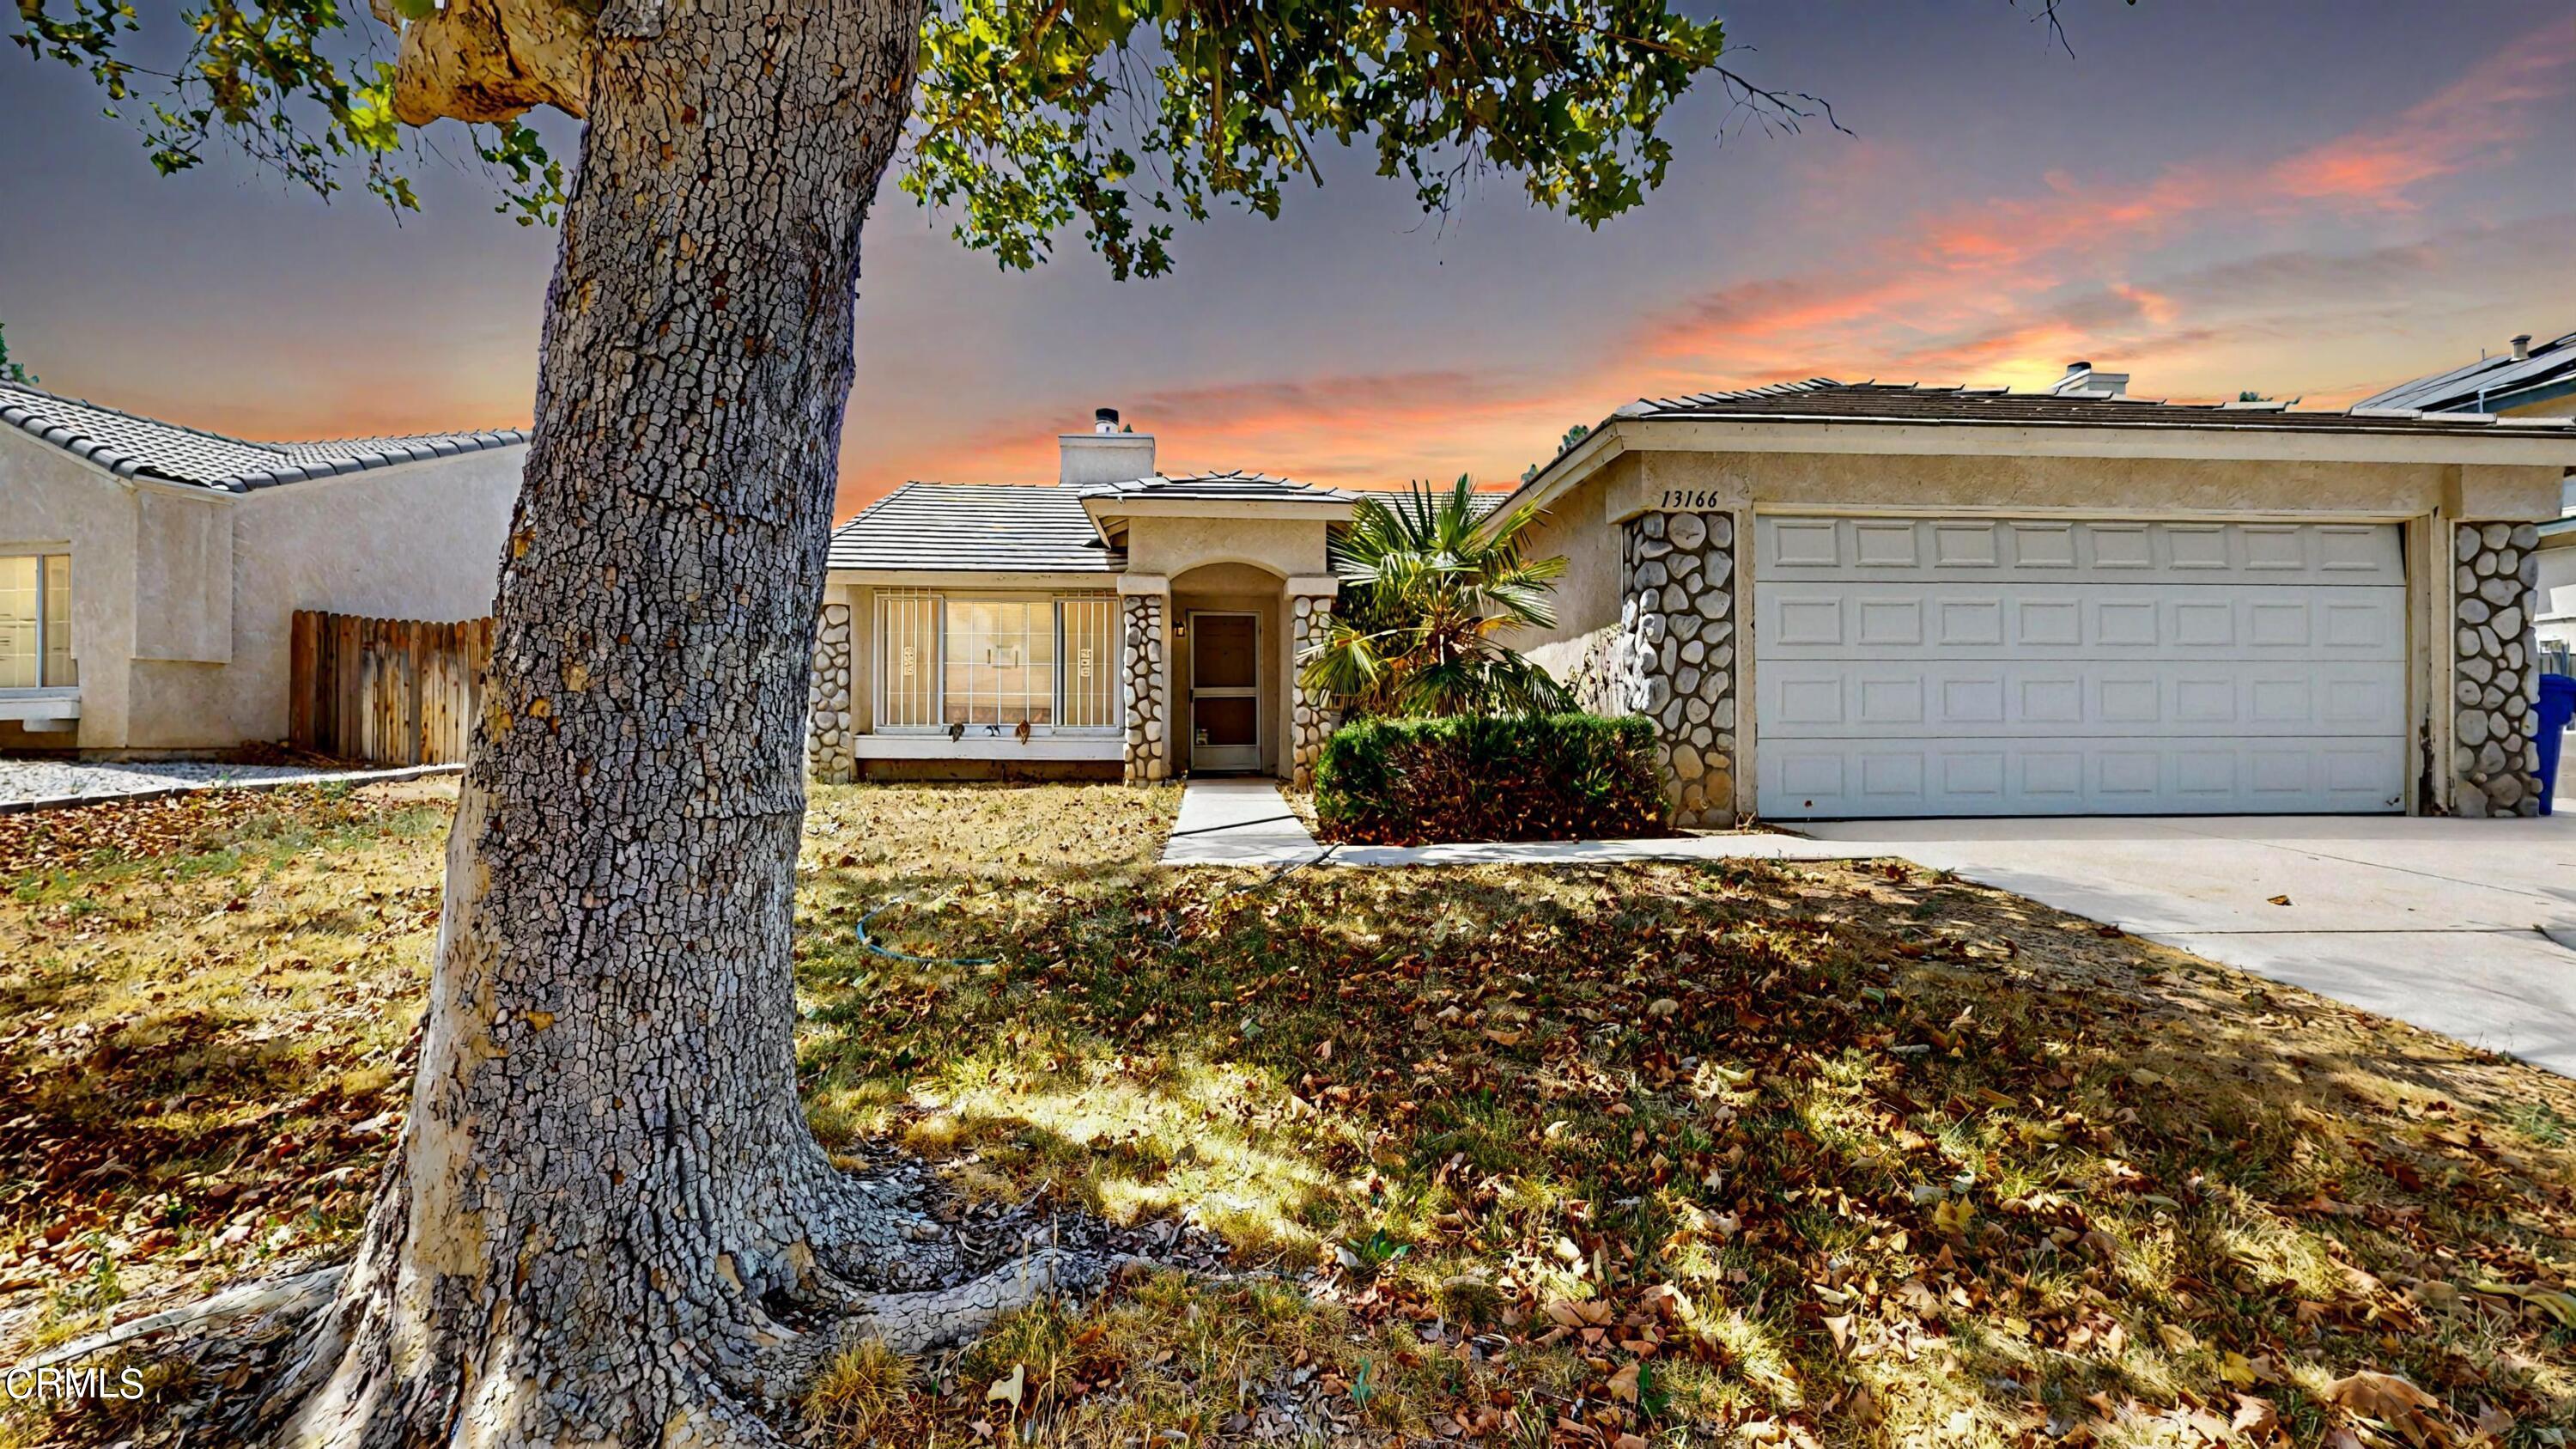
<point x="830" y="753"/>
<point x="1674" y="656"/>
<point x="1148" y="712"/>
<point x="2495" y="757"/>
<point x="1310" y="620"/>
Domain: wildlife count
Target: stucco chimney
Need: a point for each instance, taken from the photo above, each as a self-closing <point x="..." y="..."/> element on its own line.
<point x="1104" y="455"/>
<point x="2522" y="348"/>
<point x="2082" y="381"/>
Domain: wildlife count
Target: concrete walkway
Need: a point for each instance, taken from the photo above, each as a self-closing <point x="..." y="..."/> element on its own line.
<point x="1237" y="822"/>
<point x="1246" y="822"/>
<point x="2435" y="922"/>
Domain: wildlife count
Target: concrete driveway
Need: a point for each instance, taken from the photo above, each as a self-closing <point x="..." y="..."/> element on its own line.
<point x="2435" y="922"/>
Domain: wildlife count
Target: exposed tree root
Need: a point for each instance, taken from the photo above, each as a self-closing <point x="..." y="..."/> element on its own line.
<point x="298" y="1295"/>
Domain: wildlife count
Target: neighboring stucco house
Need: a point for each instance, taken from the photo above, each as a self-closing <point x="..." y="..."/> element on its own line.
<point x="2521" y="381"/>
<point x="149" y="573"/>
<point x="1833" y="599"/>
<point x="2554" y="599"/>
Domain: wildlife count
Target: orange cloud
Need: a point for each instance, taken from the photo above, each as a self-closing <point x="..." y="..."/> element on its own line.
<point x="1997" y="291"/>
<point x="2473" y="118"/>
<point x="1373" y="430"/>
<point x="2016" y="234"/>
<point x="1976" y="290"/>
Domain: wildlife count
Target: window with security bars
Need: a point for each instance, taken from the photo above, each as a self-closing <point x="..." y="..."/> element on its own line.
<point x="907" y="635"/>
<point x="36" y="622"/>
<point x="945" y="660"/>
<point x="1090" y="662"/>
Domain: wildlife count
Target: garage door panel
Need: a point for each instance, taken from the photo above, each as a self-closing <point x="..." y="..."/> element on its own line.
<point x="1818" y="620"/>
<point x="1895" y="699"/>
<point x="2192" y="553"/>
<point x="1829" y="780"/>
<point x="1997" y="667"/>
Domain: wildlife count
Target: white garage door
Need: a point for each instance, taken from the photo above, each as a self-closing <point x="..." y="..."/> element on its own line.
<point x="1936" y="666"/>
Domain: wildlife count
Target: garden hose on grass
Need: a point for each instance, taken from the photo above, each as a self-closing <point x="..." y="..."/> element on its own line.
<point x="861" y="932"/>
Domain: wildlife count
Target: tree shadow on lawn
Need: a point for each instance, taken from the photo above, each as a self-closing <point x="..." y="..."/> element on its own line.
<point x="125" y="1172"/>
<point x="1853" y="1150"/>
<point x="1849" y="1148"/>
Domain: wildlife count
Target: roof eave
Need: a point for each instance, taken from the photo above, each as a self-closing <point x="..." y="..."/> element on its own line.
<point x="1102" y="508"/>
<point x="919" y="577"/>
<point x="1590" y="454"/>
<point x="2504" y="443"/>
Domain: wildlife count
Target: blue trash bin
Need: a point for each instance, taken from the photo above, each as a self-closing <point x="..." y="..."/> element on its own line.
<point x="2557" y="707"/>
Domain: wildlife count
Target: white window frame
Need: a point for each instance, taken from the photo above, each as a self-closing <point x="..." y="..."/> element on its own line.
<point x="44" y="688"/>
<point x="938" y="665"/>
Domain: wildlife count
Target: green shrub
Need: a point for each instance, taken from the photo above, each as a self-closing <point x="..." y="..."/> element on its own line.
<point x="1489" y="777"/>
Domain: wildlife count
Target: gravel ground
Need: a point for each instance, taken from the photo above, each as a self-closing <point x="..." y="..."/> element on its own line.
<point x="46" y="779"/>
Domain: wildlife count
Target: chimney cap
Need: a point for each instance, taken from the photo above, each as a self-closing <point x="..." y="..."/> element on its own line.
<point x="2522" y="347"/>
<point x="2079" y="365"/>
<point x="1104" y="420"/>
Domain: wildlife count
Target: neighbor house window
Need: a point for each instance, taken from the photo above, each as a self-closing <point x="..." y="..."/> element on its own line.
<point x="992" y="660"/>
<point x="36" y="621"/>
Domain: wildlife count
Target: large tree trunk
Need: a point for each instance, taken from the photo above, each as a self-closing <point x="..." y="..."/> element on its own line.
<point x="607" y="1222"/>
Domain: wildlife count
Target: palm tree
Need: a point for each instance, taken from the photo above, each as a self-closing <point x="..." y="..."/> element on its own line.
<point x="1426" y="585"/>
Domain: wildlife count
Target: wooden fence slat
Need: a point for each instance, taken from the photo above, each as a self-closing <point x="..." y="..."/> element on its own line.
<point x="386" y="691"/>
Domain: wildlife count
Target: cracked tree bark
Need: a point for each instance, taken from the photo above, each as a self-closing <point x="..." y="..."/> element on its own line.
<point x="607" y="1221"/>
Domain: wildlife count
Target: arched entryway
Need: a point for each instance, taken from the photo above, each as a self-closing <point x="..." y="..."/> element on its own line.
<point x="1233" y="670"/>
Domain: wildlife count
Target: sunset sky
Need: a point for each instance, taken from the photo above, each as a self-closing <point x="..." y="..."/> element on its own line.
<point x="2308" y="200"/>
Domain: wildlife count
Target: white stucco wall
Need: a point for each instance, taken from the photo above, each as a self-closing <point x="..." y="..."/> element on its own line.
<point x="422" y="541"/>
<point x="53" y="502"/>
<point x="183" y="599"/>
<point x="1283" y="547"/>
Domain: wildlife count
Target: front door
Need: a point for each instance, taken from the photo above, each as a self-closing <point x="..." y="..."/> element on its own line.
<point x="1225" y="692"/>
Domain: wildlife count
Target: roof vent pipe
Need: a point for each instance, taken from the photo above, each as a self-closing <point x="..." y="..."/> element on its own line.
<point x="2522" y="348"/>
<point x="1104" y="420"/>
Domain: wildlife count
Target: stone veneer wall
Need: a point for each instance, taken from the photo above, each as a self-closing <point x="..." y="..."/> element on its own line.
<point x="1673" y="658"/>
<point x="829" y="753"/>
<point x="1148" y="713"/>
<point x="2494" y="757"/>
<point x="1310" y="620"/>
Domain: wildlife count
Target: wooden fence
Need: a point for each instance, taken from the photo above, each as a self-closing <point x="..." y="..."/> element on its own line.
<point x="388" y="691"/>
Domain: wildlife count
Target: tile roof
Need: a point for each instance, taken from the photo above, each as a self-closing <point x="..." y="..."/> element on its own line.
<point x="1481" y="502"/>
<point x="133" y="447"/>
<point x="1037" y="528"/>
<point x="1822" y="399"/>
<point x="1220" y="487"/>
<point x="2550" y="369"/>
<point x="975" y="527"/>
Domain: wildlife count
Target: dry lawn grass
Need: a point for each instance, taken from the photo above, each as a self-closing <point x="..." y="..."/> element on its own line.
<point x="1847" y="1154"/>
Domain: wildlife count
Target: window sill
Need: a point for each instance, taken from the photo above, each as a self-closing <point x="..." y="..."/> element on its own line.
<point x="976" y="745"/>
<point x="41" y="710"/>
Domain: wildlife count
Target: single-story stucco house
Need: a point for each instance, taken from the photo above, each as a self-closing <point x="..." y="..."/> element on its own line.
<point x="2520" y="381"/>
<point x="149" y="573"/>
<point x="1835" y="600"/>
<point x="1115" y="623"/>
